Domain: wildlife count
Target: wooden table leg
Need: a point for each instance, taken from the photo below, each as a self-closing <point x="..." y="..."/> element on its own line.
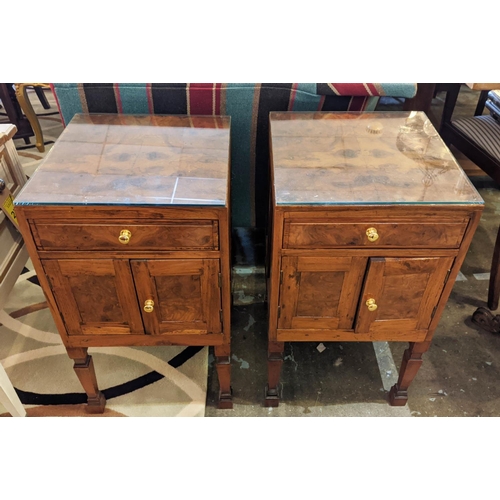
<point x="274" y="362"/>
<point x="412" y="361"/>
<point x="494" y="286"/>
<point x="84" y="368"/>
<point x="223" y="365"/>
<point x="28" y="110"/>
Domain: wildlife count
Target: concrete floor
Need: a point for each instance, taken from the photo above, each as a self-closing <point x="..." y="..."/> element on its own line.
<point x="460" y="373"/>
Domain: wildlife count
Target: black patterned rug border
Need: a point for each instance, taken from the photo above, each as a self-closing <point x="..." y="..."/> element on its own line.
<point x="74" y="398"/>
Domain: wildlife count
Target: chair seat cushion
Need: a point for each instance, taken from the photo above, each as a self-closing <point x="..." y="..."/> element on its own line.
<point x="484" y="131"/>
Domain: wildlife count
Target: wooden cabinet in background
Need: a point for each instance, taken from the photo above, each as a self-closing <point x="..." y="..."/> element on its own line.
<point x="127" y="224"/>
<point x="371" y="221"/>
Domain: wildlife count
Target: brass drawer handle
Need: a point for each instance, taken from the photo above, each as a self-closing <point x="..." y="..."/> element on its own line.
<point x="125" y="236"/>
<point x="372" y="306"/>
<point x="372" y="234"/>
<point x="149" y="306"/>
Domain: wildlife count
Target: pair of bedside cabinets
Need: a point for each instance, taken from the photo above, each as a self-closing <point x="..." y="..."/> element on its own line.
<point x="127" y="222"/>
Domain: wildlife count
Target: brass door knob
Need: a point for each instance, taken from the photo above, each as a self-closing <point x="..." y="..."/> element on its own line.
<point x="372" y="234"/>
<point x="372" y="306"/>
<point x="125" y="236"/>
<point x="149" y="306"/>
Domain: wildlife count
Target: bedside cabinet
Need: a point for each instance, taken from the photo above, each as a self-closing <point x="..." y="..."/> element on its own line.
<point x="371" y="220"/>
<point x="127" y="224"/>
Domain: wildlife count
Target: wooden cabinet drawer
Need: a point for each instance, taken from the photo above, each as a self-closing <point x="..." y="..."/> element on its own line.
<point x="330" y="234"/>
<point x="164" y="235"/>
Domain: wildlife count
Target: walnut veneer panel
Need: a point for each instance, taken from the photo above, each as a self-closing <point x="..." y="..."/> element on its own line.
<point x="94" y="297"/>
<point x="168" y="235"/>
<point x="418" y="233"/>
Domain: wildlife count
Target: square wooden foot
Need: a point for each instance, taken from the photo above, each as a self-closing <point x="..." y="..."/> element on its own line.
<point x="225" y="401"/>
<point x="225" y="404"/>
<point x="397" y="398"/>
<point x="96" y="405"/>
<point x="272" y="398"/>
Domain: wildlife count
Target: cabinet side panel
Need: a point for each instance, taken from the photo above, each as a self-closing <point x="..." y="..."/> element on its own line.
<point x="274" y="277"/>
<point x="464" y="247"/>
<point x="225" y="270"/>
<point x="64" y="296"/>
<point x="211" y="296"/>
<point x="24" y="227"/>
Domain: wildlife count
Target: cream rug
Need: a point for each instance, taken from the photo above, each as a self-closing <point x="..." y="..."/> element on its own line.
<point x="137" y="381"/>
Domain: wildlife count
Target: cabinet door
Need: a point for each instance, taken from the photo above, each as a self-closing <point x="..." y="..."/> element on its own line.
<point x="405" y="293"/>
<point x="95" y="296"/>
<point x="185" y="294"/>
<point x="12" y="254"/>
<point x="320" y="293"/>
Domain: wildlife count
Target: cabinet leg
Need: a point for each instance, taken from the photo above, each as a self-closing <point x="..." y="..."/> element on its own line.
<point x="223" y="365"/>
<point x="494" y="286"/>
<point x="84" y="369"/>
<point x="274" y="362"/>
<point x="412" y="361"/>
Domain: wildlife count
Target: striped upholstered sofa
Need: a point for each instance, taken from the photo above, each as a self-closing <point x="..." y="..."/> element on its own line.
<point x="248" y="104"/>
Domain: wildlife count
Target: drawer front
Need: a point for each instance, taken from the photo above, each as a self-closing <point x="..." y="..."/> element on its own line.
<point x="126" y="236"/>
<point x="305" y="234"/>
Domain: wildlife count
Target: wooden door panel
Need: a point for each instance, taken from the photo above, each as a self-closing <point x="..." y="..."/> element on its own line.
<point x="311" y="285"/>
<point x="176" y="267"/>
<point x="406" y="292"/>
<point x="402" y="296"/>
<point x="320" y="293"/>
<point x="95" y="296"/>
<point x="325" y="264"/>
<point x="179" y="297"/>
<point x="185" y="293"/>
